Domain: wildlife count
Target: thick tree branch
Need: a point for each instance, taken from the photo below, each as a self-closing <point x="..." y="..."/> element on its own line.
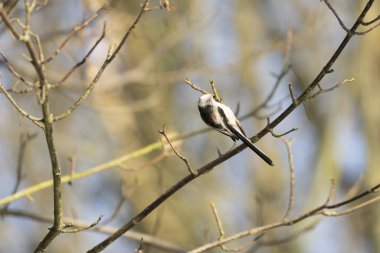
<point x="321" y="210"/>
<point x="303" y="97"/>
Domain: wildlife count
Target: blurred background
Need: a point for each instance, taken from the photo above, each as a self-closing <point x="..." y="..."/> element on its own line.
<point x="243" y="46"/>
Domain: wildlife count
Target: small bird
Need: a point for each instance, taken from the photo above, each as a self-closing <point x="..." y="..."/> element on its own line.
<point x="221" y="118"/>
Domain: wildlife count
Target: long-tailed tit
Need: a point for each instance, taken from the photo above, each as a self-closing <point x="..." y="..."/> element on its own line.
<point x="221" y="118"/>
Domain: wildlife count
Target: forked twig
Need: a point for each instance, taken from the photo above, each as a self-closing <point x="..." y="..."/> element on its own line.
<point x="76" y="29"/>
<point x="109" y="59"/>
<point x="76" y="66"/>
<point x="278" y="135"/>
<point x="79" y="229"/>
<point x="324" y="90"/>
<point x="35" y="120"/>
<point x="194" y="86"/>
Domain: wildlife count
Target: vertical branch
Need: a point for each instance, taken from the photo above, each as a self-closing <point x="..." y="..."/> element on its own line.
<point x="291" y="175"/>
<point x="25" y="138"/>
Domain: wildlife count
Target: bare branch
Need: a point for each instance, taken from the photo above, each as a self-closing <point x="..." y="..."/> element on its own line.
<point x="294" y="100"/>
<point x="14" y="72"/>
<point x="331" y="192"/>
<point x="323" y="90"/>
<point x="215" y="91"/>
<point x="156" y="242"/>
<point x="325" y="70"/>
<point x="72" y="160"/>
<point x="79" y="229"/>
<point x="352" y="209"/>
<point x="116" y="210"/>
<point x="141" y="246"/>
<point x="368" y="30"/>
<point x="278" y="135"/>
<point x="76" y="29"/>
<point x="76" y="66"/>
<point x="370" y="22"/>
<point x="108" y="60"/>
<point x="8" y="24"/>
<point x="337" y="16"/>
<point x="25" y="139"/>
<point x="177" y="153"/>
<point x="290" y="237"/>
<point x="288" y="145"/>
<point x="217" y="219"/>
<point x="321" y="210"/>
<point x="35" y="120"/>
<point x="221" y="231"/>
<point x="279" y="77"/>
<point x="195" y="87"/>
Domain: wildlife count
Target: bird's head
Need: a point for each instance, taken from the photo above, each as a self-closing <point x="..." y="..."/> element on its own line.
<point x="205" y="100"/>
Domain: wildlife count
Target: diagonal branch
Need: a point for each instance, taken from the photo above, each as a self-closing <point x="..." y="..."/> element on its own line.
<point x="184" y="159"/>
<point x="13" y="70"/>
<point x="337" y="16"/>
<point x="320" y="210"/>
<point x="156" y="242"/>
<point x="76" y="66"/>
<point x="184" y="181"/>
<point x="35" y="120"/>
<point x="108" y="60"/>
<point x="76" y="29"/>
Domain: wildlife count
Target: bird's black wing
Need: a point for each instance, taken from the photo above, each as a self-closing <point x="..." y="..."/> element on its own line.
<point x="243" y="138"/>
<point x="209" y="116"/>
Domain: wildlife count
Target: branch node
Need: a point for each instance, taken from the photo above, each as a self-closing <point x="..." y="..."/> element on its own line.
<point x="214" y="90"/>
<point x="268" y="127"/>
<point x="337" y="16"/>
<point x="294" y="100"/>
<point x="76" y="230"/>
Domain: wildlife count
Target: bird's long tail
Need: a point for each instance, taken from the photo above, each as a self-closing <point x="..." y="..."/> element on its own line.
<point x="251" y="146"/>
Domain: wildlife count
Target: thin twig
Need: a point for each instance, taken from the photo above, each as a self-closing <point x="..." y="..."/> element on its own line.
<point x="368" y="30"/>
<point x="177" y="153"/>
<point x="324" y="90"/>
<point x="331" y="194"/>
<point x="221" y="231"/>
<point x="25" y="139"/>
<point x="72" y="164"/>
<point x="362" y="22"/>
<point x="14" y="89"/>
<point x="355" y="188"/>
<point x="294" y="100"/>
<point x="215" y="91"/>
<point x="195" y="87"/>
<point x="76" y="66"/>
<point x="76" y="29"/>
<point x="290" y="237"/>
<point x="152" y="206"/>
<point x="109" y="59"/>
<point x="13" y="71"/>
<point x="156" y="242"/>
<point x="279" y="135"/>
<point x="140" y="249"/>
<point x="24" y="113"/>
<point x="8" y="24"/>
<point x="370" y="22"/>
<point x="320" y="210"/>
<point x="115" y="211"/>
<point x="288" y="145"/>
<point x="279" y="77"/>
<point x="337" y="16"/>
<point x="79" y="229"/>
